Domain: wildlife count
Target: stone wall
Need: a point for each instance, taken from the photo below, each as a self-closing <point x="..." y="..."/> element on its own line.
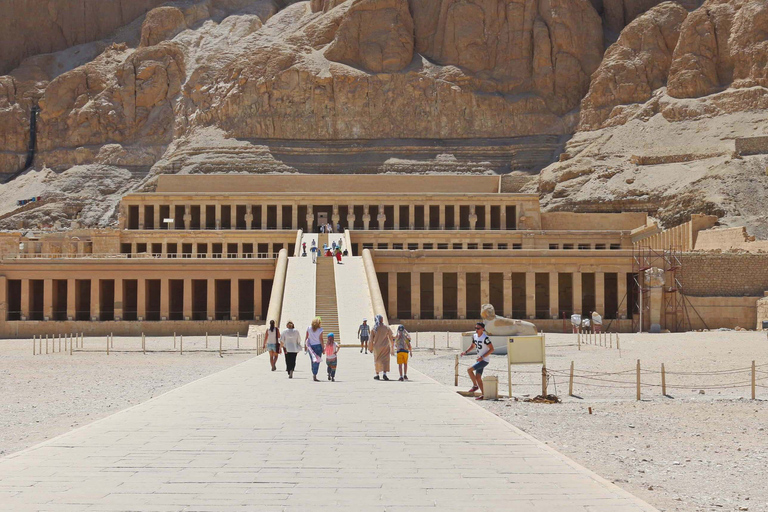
<point x="717" y="312"/>
<point x="724" y="275"/>
<point x="752" y="145"/>
<point x="27" y="329"/>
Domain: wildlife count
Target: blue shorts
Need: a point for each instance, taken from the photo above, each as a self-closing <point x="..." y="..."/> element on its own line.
<point x="479" y="367"/>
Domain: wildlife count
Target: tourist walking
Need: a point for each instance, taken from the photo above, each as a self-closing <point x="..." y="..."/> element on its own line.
<point x="331" y="356"/>
<point x="402" y="347"/>
<point x="363" y="332"/>
<point x="482" y="343"/>
<point x="290" y="340"/>
<point x="304" y="248"/>
<point x="313" y="344"/>
<point x="381" y="345"/>
<point x="271" y="343"/>
<point x="338" y="256"/>
<point x="313" y="250"/>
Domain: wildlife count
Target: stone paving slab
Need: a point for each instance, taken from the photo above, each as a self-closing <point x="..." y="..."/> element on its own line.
<point x="247" y="438"/>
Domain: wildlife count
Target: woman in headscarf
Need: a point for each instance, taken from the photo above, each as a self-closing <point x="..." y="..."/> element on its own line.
<point x="381" y="344"/>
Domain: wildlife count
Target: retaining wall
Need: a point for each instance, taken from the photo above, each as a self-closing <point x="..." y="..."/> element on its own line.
<point x="27" y="329"/>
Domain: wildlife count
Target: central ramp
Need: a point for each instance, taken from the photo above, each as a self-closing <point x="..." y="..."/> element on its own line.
<point x="231" y="441"/>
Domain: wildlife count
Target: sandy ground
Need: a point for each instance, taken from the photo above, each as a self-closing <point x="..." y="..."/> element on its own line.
<point x="686" y="452"/>
<point x="47" y="395"/>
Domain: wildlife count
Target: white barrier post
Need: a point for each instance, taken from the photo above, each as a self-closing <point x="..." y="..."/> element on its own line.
<point x="34" y="340"/>
<point x="220" y="342"/>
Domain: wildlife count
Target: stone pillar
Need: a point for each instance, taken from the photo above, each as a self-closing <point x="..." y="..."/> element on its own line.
<point x="95" y="300"/>
<point x="350" y="220"/>
<point x="461" y="292"/>
<point x="577" y="293"/>
<point x="211" y="298"/>
<point x="503" y="217"/>
<point x="25" y="284"/>
<point x="218" y="216"/>
<point x="48" y="299"/>
<point x="622" y="294"/>
<point x="71" y="300"/>
<point x="600" y="293"/>
<point x="438" y="295"/>
<point x="233" y="216"/>
<point x="335" y="218"/>
<point x="554" y="295"/>
<point x="472" y="217"/>
<point x="427" y="217"/>
<point x="249" y="217"/>
<point x="279" y="216"/>
<point x="381" y="217"/>
<point x="187" y="217"/>
<point x="187" y="307"/>
<point x="310" y="218"/>
<point x="141" y="299"/>
<point x="530" y="294"/>
<point x="442" y="216"/>
<point x="3" y="298"/>
<point x="487" y="217"/>
<point x="485" y="288"/>
<point x="392" y="293"/>
<point x="507" y="295"/>
<point x="294" y="217"/>
<point x="203" y="217"/>
<point x="158" y="220"/>
<point x="397" y="216"/>
<point x="165" y="302"/>
<point x="415" y="295"/>
<point x="264" y="209"/>
<point x="142" y="217"/>
<point x="366" y="218"/>
<point x="118" y="299"/>
<point x="411" y="216"/>
<point x="457" y="216"/>
<point x="234" y="299"/>
<point x="257" y="298"/>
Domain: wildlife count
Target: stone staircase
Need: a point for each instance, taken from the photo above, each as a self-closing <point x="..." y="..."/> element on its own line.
<point x="325" y="293"/>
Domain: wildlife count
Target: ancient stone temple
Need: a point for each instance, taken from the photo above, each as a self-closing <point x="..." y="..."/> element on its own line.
<point x="207" y="253"/>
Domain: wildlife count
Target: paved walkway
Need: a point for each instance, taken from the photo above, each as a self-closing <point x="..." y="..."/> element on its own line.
<point x="250" y="439"/>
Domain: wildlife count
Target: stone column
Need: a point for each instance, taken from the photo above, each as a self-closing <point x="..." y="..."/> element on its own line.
<point x="211" y="298"/>
<point x="264" y="209"/>
<point x="411" y="216"/>
<point x="233" y="216"/>
<point x="577" y="293"/>
<point x="294" y="217"/>
<point x="415" y="295"/>
<point x="485" y="288"/>
<point x="187" y="307"/>
<point x="438" y="295"/>
<point x="530" y="294"/>
<point x="95" y="300"/>
<point x="351" y="220"/>
<point x="310" y="218"/>
<point x="48" y="299"/>
<point x="187" y="217"/>
<point x="141" y="299"/>
<point x="487" y="217"/>
<point x="621" y="293"/>
<point x="600" y="293"/>
<point x="142" y="217"/>
<point x="503" y="217"/>
<point x="427" y="217"/>
<point x="3" y="298"/>
<point x="366" y="219"/>
<point x="118" y="299"/>
<point x="554" y="295"/>
<point x="25" y="284"/>
<point x="249" y="217"/>
<point x="392" y="292"/>
<point x="218" y="216"/>
<point x="203" y="217"/>
<point x="461" y="295"/>
<point x="165" y="302"/>
<point x="507" y="295"/>
<point x="442" y="216"/>
<point x="397" y="216"/>
<point x="158" y="220"/>
<point x="457" y="216"/>
<point x="472" y="217"/>
<point x="234" y="299"/>
<point x="71" y="300"/>
<point x="335" y="218"/>
<point x="257" y="298"/>
<point x="279" y="216"/>
<point x="381" y="217"/>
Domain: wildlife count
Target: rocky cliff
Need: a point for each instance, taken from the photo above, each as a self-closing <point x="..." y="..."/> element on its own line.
<point x="403" y="85"/>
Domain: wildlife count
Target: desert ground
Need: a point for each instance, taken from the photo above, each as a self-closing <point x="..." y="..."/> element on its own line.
<point x="685" y="452"/>
<point x="688" y="451"/>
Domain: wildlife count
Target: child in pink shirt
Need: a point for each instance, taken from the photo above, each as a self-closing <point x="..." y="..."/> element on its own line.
<point x="331" y="357"/>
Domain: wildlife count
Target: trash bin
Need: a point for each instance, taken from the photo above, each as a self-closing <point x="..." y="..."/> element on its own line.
<point x="491" y="387"/>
